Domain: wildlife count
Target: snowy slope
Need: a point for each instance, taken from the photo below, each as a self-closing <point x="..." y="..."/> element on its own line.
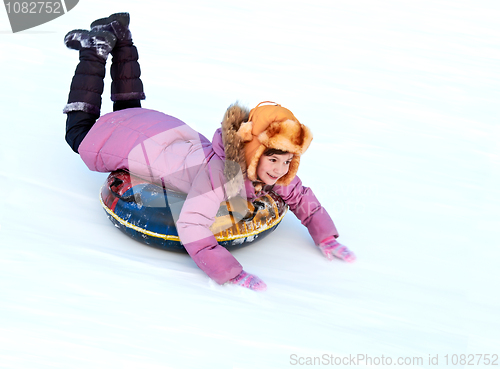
<point x="402" y="97"/>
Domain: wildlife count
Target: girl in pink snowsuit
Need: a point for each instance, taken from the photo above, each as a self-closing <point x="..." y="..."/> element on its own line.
<point x="253" y="152"/>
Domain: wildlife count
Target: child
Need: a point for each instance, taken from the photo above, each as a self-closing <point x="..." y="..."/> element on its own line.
<point x="252" y="153"/>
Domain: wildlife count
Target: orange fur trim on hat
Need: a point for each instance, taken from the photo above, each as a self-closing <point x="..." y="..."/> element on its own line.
<point x="275" y="127"/>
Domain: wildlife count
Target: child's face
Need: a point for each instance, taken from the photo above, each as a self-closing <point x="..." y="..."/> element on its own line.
<point x="271" y="168"/>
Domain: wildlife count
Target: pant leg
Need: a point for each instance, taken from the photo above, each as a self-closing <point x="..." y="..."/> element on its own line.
<point x="126" y="104"/>
<point x="78" y="124"/>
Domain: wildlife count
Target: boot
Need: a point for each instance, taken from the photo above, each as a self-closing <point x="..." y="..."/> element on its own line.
<point x="116" y="23"/>
<point x="126" y="84"/>
<point x="84" y="100"/>
<point x="100" y="40"/>
<point x="127" y="89"/>
<point x="87" y="84"/>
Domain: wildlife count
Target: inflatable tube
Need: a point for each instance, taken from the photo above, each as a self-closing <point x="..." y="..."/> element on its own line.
<point x="147" y="213"/>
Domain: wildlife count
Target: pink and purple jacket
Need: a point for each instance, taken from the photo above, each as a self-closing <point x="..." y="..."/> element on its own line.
<point x="164" y="150"/>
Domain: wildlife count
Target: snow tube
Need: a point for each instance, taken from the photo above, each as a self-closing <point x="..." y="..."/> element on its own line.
<point x="147" y="213"/>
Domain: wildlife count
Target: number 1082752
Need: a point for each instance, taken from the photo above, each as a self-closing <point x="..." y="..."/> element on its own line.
<point x="471" y="359"/>
<point x="33" y="7"/>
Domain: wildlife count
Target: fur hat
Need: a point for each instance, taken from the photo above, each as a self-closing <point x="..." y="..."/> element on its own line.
<point x="273" y="126"/>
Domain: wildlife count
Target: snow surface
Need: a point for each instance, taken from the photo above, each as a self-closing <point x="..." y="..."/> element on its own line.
<point x="403" y="99"/>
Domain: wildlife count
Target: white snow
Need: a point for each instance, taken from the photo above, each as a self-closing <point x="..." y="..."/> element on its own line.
<point x="402" y="97"/>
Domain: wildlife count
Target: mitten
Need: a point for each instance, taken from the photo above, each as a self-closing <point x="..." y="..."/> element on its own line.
<point x="248" y="281"/>
<point x="330" y="248"/>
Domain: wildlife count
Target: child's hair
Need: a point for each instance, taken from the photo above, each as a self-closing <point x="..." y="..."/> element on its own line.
<point x="270" y="151"/>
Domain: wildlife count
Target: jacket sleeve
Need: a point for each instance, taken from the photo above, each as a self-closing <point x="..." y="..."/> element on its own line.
<point x="304" y="204"/>
<point x="193" y="226"/>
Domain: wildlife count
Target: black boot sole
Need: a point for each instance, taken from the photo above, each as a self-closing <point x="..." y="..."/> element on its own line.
<point x="122" y="18"/>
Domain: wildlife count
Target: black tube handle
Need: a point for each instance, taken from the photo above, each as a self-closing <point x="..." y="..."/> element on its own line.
<point x="130" y="198"/>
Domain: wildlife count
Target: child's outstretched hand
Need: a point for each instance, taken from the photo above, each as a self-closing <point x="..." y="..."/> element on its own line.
<point x="248" y="281"/>
<point x="330" y="248"/>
